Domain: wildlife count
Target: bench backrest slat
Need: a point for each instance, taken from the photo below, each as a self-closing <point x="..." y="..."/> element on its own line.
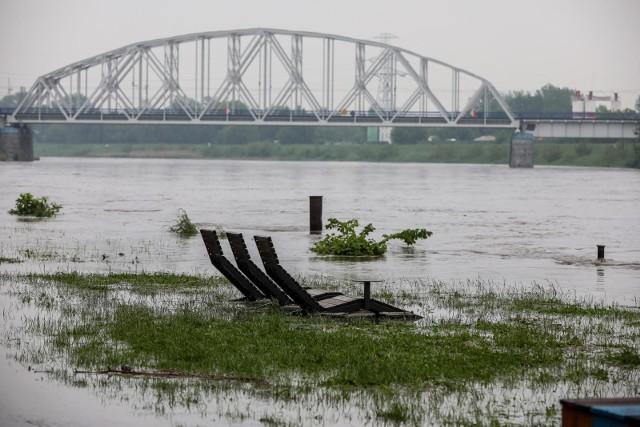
<point x="228" y="270"/>
<point x="282" y="277"/>
<point x="252" y="271"/>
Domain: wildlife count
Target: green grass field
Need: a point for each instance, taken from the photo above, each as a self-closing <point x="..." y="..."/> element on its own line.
<point x="480" y="348"/>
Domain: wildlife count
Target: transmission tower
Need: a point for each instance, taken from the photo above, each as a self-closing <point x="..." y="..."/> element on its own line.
<point x="386" y="85"/>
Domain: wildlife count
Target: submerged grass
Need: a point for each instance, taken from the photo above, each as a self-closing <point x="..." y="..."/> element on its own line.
<point x="348" y="356"/>
<point x="183" y="225"/>
<point x="147" y="282"/>
<point x="486" y="339"/>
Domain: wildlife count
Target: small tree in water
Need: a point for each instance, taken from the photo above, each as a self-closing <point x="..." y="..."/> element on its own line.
<point x="349" y="243"/>
<point x="27" y="204"/>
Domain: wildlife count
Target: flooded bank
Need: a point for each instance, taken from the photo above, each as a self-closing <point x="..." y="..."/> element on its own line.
<point x="491" y="224"/>
<point x="481" y="352"/>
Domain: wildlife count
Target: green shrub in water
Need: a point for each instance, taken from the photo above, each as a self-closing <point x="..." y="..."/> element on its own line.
<point x="349" y="243"/>
<point x="183" y="225"/>
<point x="27" y="204"/>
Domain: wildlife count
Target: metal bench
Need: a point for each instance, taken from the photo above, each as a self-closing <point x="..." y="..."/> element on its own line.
<point x="336" y="304"/>
<point x="261" y="280"/>
<point x="253" y="272"/>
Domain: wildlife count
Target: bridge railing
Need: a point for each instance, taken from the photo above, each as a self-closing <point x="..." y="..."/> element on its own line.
<point x="622" y="115"/>
<point x="273" y="117"/>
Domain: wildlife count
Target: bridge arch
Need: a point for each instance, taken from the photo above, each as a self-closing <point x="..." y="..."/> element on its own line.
<point x="265" y="76"/>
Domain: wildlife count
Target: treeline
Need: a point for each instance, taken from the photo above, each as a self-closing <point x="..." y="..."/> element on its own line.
<point x="65" y="133"/>
<point x="238" y="134"/>
<point x="190" y="134"/>
<point x="619" y="154"/>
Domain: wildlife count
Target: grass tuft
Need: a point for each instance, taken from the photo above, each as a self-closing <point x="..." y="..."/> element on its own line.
<point x="628" y="358"/>
<point x="396" y="413"/>
<point x="183" y="225"/>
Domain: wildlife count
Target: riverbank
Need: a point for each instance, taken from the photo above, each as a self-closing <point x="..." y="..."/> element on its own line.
<point x="619" y="154"/>
<point x="169" y="343"/>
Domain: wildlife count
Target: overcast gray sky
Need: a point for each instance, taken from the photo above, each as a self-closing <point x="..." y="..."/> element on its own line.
<point x="517" y="45"/>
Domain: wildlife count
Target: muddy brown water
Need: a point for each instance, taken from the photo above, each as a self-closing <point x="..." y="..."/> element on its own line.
<point x="489" y="222"/>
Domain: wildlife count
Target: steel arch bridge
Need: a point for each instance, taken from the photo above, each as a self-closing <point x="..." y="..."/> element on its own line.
<point x="265" y="77"/>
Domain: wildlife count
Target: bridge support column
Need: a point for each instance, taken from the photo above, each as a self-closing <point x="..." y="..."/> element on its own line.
<point x="16" y="143"/>
<point x="521" y="152"/>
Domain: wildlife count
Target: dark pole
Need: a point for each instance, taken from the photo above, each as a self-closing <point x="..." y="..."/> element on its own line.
<point x="600" y="251"/>
<point x="315" y="214"/>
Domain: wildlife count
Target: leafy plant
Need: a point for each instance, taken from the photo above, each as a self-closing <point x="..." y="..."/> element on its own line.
<point x="410" y="236"/>
<point x="349" y="243"/>
<point x="27" y="204"/>
<point x="183" y="225"/>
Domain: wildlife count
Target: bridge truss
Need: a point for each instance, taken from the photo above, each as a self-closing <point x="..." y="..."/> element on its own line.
<point x="264" y="77"/>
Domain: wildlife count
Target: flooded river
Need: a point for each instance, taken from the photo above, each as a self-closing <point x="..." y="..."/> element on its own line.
<point x="513" y="226"/>
<point x="516" y="226"/>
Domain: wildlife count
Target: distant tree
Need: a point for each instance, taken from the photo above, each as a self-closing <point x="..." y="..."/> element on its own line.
<point x="465" y="134"/>
<point x="238" y="134"/>
<point x="181" y="102"/>
<point x="13" y="100"/>
<point x="297" y="135"/>
<point x="555" y="99"/>
<point x="57" y="133"/>
<point x="73" y="101"/>
<point x="637" y="132"/>
<point x="524" y="102"/>
<point x="267" y="133"/>
<point x="404" y="135"/>
<point x="238" y="107"/>
<point x="341" y="134"/>
<point x="636" y="147"/>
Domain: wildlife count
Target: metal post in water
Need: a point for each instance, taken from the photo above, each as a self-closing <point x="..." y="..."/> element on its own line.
<point x="315" y="214"/>
<point x="600" y="251"/>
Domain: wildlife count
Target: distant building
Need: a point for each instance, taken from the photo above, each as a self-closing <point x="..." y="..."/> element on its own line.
<point x="584" y="107"/>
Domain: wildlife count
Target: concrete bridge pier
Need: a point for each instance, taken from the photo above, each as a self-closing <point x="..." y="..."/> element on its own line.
<point x="16" y="142"/>
<point x="521" y="152"/>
